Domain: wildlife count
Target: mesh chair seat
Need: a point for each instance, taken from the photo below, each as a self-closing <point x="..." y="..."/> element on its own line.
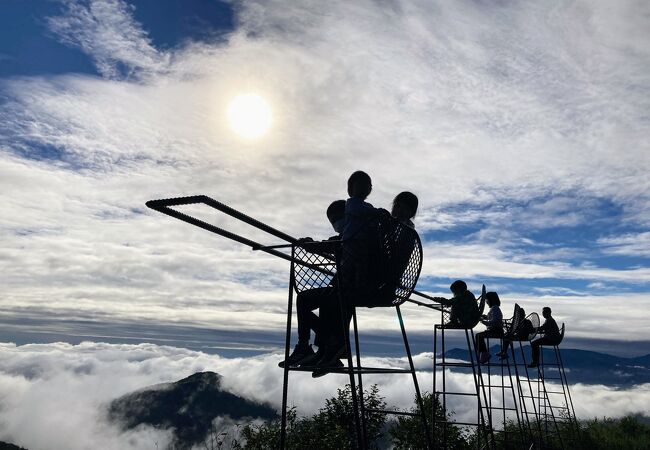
<point x="534" y="320"/>
<point x="385" y="263"/>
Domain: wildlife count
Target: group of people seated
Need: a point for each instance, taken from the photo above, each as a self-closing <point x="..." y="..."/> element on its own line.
<point x="354" y="284"/>
<point x="465" y="314"/>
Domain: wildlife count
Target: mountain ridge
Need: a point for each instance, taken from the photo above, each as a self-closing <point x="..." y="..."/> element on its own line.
<point x="583" y="366"/>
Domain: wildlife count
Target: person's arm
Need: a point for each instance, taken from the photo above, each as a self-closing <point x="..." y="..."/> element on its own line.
<point x="443" y="301"/>
<point x="543" y="327"/>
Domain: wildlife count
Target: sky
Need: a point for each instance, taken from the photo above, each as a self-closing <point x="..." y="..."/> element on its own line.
<point x="522" y="127"/>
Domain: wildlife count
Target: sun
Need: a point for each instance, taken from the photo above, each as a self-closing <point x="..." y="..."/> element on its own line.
<point x="249" y="116"/>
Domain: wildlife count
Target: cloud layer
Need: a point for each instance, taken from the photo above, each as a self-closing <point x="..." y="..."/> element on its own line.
<point x="56" y="393"/>
<point x="523" y="129"/>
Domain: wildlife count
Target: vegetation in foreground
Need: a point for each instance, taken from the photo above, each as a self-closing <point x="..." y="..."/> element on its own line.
<point x="332" y="427"/>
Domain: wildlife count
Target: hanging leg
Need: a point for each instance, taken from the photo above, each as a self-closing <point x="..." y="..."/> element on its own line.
<point x="418" y="396"/>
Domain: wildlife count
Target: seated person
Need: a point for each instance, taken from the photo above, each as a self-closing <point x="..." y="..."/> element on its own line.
<point x="308" y="301"/>
<point x="357" y="211"/>
<point x="550" y="335"/>
<point x="494" y="323"/>
<point x="405" y="206"/>
<point x="524" y="329"/>
<point x="464" y="310"/>
<point x="369" y="293"/>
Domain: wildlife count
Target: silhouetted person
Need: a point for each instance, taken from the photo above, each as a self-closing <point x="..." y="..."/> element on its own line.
<point x="405" y="206"/>
<point x="464" y="310"/>
<point x="373" y="290"/>
<point x="524" y="329"/>
<point x="494" y="323"/>
<point x="358" y="212"/>
<point x="550" y="335"/>
<point x="312" y="299"/>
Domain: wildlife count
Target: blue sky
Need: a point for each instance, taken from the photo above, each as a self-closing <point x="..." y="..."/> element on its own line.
<point x="522" y="127"/>
<point x="523" y="130"/>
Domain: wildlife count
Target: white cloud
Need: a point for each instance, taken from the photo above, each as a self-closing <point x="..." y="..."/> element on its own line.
<point x="53" y="396"/>
<point x="107" y="31"/>
<point x="460" y="103"/>
<point x="637" y="244"/>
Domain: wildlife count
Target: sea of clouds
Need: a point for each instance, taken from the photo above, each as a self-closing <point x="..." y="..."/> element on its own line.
<point x="53" y="396"/>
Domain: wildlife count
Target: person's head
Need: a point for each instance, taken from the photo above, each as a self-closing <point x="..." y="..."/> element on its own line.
<point x="546" y="312"/>
<point x="405" y="205"/>
<point x="458" y="287"/>
<point x="336" y="215"/>
<point x="359" y="185"/>
<point x="492" y="299"/>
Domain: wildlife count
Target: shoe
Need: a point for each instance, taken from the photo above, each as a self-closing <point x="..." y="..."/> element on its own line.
<point x="324" y="369"/>
<point x="300" y="352"/>
<point x="312" y="360"/>
<point x="532" y="365"/>
<point x="331" y="355"/>
<point x="485" y="357"/>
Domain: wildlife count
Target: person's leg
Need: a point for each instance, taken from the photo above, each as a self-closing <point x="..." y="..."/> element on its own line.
<point x="306" y="303"/>
<point x="535" y="348"/>
<point x="505" y="347"/>
<point x="480" y="341"/>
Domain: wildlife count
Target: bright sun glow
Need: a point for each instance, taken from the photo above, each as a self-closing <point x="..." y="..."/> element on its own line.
<point x="249" y="116"/>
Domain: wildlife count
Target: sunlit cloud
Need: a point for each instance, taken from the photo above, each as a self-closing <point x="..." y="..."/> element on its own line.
<point x="525" y="139"/>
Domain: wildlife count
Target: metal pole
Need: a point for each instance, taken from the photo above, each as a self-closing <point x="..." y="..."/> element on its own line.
<point x="435" y="396"/>
<point x="418" y="396"/>
<point x="287" y="346"/>
<point x="346" y="339"/>
<point x="364" y="428"/>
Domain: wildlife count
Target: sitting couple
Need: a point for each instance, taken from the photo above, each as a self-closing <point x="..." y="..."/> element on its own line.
<point x="356" y="276"/>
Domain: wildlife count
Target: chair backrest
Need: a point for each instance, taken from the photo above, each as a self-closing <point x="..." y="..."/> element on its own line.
<point x="512" y="326"/>
<point x="399" y="260"/>
<point x="534" y="320"/>
<point x="481" y="304"/>
<point x="561" y="335"/>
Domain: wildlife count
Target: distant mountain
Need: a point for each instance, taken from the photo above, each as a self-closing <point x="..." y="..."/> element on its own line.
<point x="583" y="366"/>
<point x="187" y="406"/>
<point x="7" y="446"/>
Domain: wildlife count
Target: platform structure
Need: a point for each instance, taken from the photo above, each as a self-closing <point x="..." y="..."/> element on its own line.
<point x="310" y="269"/>
<point x="319" y="270"/>
<point x="477" y="395"/>
<point x="527" y="405"/>
<point x="503" y="404"/>
<point x="558" y="424"/>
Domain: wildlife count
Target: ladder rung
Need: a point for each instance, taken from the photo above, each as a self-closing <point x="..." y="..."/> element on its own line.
<point x="401" y="413"/>
<point x="456" y="393"/>
<point x="458" y="423"/>
<point x="454" y="364"/>
<point x="355" y="370"/>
